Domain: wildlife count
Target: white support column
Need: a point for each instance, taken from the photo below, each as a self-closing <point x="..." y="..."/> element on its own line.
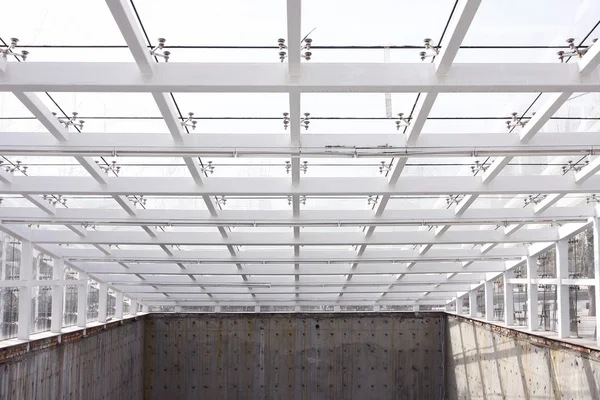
<point x="562" y="291"/>
<point x="118" y="305"/>
<point x="145" y="308"/>
<point x="24" y="327"/>
<point x="58" y="295"/>
<point x="134" y="307"/>
<point x="82" y="297"/>
<point x="532" y="295"/>
<point x="177" y="309"/>
<point x="336" y="308"/>
<point x="416" y="307"/>
<point x="509" y="305"/>
<point x="459" y="305"/>
<point x="473" y="303"/>
<point x="597" y="276"/>
<point x="102" y="302"/>
<point x="377" y="308"/>
<point x="217" y="308"/>
<point x="489" y="300"/>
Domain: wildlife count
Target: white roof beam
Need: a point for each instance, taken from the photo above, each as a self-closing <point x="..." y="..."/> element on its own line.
<point x="133" y="36"/>
<point x="332" y="238"/>
<point x="176" y="186"/>
<point x="316" y="77"/>
<point x="123" y="16"/>
<point x="284" y="218"/>
<point x="274" y="256"/>
<point x="473" y="271"/>
<point x="457" y="30"/>
<point x="590" y="61"/>
<point x="294" y="27"/>
<point x="313" y="145"/>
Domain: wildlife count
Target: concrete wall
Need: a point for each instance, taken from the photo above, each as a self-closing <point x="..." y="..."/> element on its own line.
<point x="485" y="361"/>
<point x="106" y="364"/>
<point x="299" y="356"/>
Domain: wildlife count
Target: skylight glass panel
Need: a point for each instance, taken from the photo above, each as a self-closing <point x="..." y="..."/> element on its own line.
<point x="214" y="23"/>
<point x="335" y="25"/>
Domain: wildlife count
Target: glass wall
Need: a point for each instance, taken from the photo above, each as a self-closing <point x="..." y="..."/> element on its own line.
<point x="9" y="296"/>
<point x="71" y="295"/>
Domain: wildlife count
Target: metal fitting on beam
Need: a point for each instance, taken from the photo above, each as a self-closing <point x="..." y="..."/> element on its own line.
<point x="454" y="199"/>
<point x="385" y="168"/>
<point x="534" y="199"/>
<point x="189" y="122"/>
<point x="10" y="51"/>
<point x="112" y="167"/>
<point x="402" y="122"/>
<point x="67" y="122"/>
<point x="18" y="166"/>
<point x="574" y="166"/>
<point x="515" y="121"/>
<point x="304" y="167"/>
<point x="305" y="121"/>
<point x="54" y="199"/>
<point x="286" y="120"/>
<point x="158" y="50"/>
<point x="209" y="168"/>
<point x="574" y="50"/>
<point x="592" y="199"/>
<point x="305" y="49"/>
<point x="139" y="199"/>
<point x="372" y="200"/>
<point x="479" y="167"/>
<point x="282" y="48"/>
<point x="221" y="200"/>
<point x="431" y="50"/>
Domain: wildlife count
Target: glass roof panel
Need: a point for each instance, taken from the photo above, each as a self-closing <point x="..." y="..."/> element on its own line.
<point x="214" y="23"/>
<point x="54" y="23"/>
<point x="335" y="25"/>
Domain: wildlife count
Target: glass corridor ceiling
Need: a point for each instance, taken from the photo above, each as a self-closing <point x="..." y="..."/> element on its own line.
<point x="235" y="194"/>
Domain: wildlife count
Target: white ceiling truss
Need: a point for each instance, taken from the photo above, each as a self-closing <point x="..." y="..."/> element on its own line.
<point x="383" y="256"/>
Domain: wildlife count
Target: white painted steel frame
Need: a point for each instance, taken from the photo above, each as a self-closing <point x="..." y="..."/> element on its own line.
<point x="441" y="274"/>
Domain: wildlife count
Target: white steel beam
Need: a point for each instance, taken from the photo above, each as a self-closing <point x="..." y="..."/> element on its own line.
<point x="596" y="227"/>
<point x="313" y="145"/>
<point x="316" y="77"/>
<point x="305" y="269"/>
<point x="133" y="36"/>
<point x="58" y="293"/>
<point x="281" y="218"/>
<point x="473" y="303"/>
<point x="489" y="300"/>
<point x="532" y="294"/>
<point x="190" y="290"/>
<point x="82" y="301"/>
<point x="118" y="304"/>
<point x="341" y="186"/>
<point x="456" y="31"/>
<point x="590" y="61"/>
<point x="282" y="256"/>
<point x="332" y="238"/>
<point x="102" y="302"/>
<point x="509" y="306"/>
<point x="25" y="294"/>
<point x="133" y="307"/>
<point x="563" y="323"/>
<point x="294" y="27"/>
<point x="291" y="303"/>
